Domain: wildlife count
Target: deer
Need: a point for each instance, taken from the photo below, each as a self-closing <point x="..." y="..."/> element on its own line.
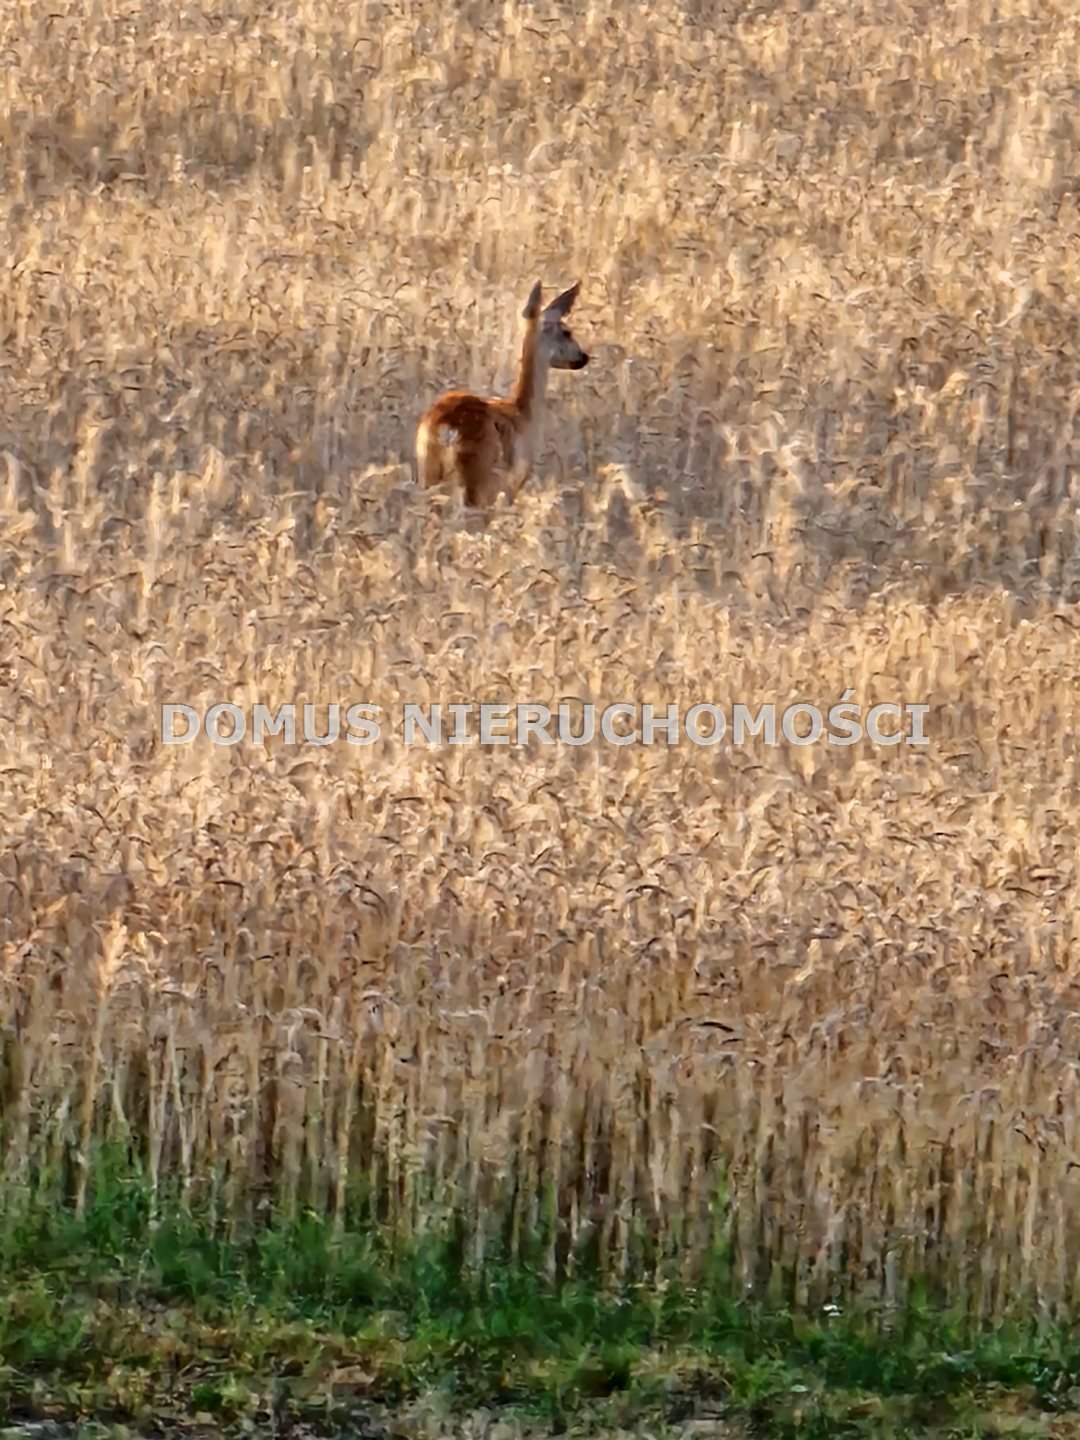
<point x="486" y="446"/>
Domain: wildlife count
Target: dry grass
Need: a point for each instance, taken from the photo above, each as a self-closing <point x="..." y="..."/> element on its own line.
<point x="830" y="279"/>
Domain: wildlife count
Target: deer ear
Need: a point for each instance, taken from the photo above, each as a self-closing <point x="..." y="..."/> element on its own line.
<point x="532" y="305"/>
<point x="564" y="303"/>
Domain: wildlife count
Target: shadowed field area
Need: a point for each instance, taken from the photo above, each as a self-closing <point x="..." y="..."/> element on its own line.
<point x="815" y="1005"/>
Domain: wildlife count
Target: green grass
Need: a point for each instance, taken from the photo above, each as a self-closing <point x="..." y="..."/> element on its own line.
<point x="121" y="1314"/>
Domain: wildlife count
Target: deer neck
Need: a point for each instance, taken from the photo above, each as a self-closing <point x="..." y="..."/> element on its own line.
<point x="531" y="387"/>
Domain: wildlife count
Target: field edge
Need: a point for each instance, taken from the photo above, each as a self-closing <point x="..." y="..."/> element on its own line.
<point x="140" y="1309"/>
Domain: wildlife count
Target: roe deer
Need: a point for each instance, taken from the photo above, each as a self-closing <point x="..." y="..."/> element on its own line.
<point x="487" y="445"/>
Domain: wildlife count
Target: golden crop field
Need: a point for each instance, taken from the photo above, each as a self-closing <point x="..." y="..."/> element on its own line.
<point x="826" y="998"/>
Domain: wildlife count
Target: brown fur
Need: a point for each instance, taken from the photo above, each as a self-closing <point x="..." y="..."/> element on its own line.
<point x="486" y="445"/>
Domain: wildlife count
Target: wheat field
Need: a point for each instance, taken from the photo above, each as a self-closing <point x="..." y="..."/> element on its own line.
<point x="823" y="1001"/>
